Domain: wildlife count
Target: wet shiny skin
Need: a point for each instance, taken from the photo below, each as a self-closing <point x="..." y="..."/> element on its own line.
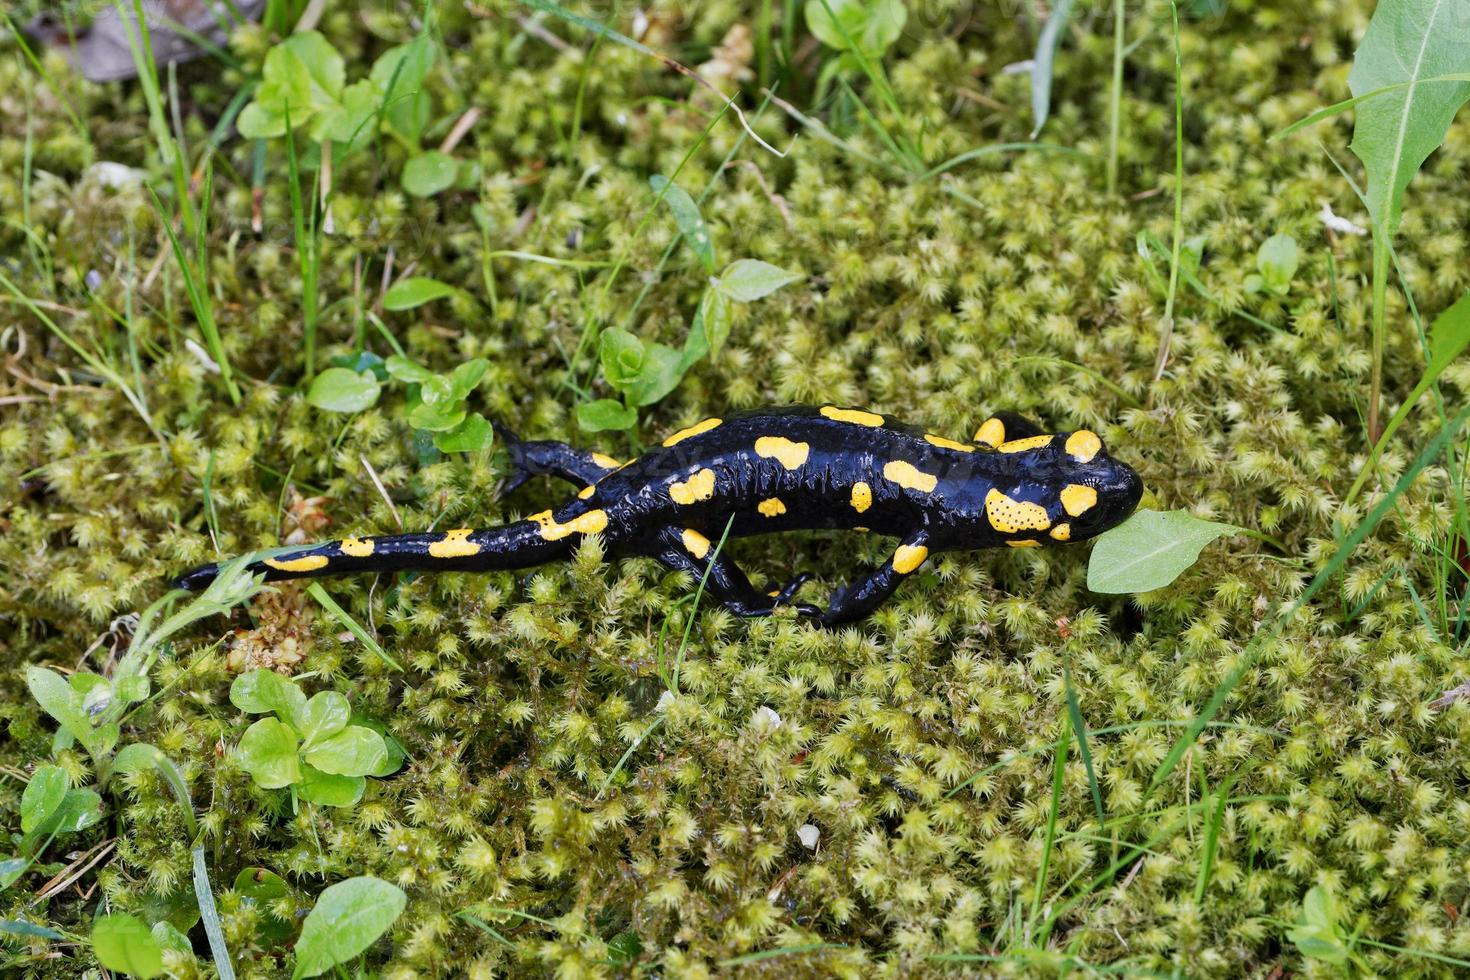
<point x="827" y="467"/>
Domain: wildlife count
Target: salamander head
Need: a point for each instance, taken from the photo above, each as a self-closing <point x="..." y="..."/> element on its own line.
<point x="1063" y="487"/>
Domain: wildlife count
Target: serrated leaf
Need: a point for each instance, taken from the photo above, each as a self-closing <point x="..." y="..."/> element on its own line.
<point x="340" y="390"/>
<point x="354" y="751"/>
<point x="348" y="918"/>
<point x="687" y="218"/>
<point x="408" y="294"/>
<point x="1149" y="550"/>
<point x="268" y="751"/>
<point x="746" y="280"/>
<point x="1407" y="41"/>
<point x="125" y="944"/>
<point x="42" y="797"/>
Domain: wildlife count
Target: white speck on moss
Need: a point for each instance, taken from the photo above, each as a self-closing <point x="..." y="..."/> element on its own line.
<point x="808" y="835"/>
<point x="764" y="717"/>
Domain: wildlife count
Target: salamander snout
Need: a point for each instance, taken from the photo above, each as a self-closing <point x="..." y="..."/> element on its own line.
<point x="1113" y="488"/>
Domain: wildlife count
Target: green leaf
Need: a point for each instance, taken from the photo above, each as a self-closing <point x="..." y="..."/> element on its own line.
<point x="1149" y="550"/>
<point x="42" y="797"/>
<point x="399" y="75"/>
<point x="414" y="292"/>
<point x="660" y="375"/>
<point x="323" y="716"/>
<point x="340" y="390"/>
<point x="429" y="173"/>
<point x="403" y="369"/>
<point x="262" y="691"/>
<point x="1277" y="260"/>
<point x="1043" y="63"/>
<point x="19" y="927"/>
<point x="470" y="436"/>
<point x="750" y="279"/>
<point x="622" y="356"/>
<point x="606" y="414"/>
<point x="354" y="751"/>
<point x="872" y="25"/>
<point x="1448" y="337"/>
<point x="688" y="219"/>
<point x="710" y="330"/>
<point x="324" y="67"/>
<point x="348" y="918"/>
<point x="351" y="121"/>
<point x="257" y="122"/>
<point x="123" y="943"/>
<point x="168" y="936"/>
<point x="1406" y="41"/>
<point x="302" y="77"/>
<point x="1318" y="935"/>
<point x="466" y="377"/>
<point x="268" y="752"/>
<point x="57" y="698"/>
<point x="438" y="410"/>
<point x="396" y="753"/>
<point x="325" y="789"/>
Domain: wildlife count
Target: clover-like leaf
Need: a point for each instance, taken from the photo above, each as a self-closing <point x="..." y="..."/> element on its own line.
<point x="261" y="691"/>
<point x="429" y="173"/>
<point x="354" y="751"/>
<point x="268" y="751"/>
<point x="125" y="943"/>
<point x="606" y="414"/>
<point x="622" y="356"/>
<point x="323" y="716"/>
<point x="325" y="789"/>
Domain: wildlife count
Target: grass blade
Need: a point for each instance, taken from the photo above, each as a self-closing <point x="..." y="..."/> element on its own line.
<point x="348" y="623"/>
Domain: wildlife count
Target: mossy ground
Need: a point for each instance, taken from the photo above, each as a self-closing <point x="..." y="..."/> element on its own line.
<point x="939" y="300"/>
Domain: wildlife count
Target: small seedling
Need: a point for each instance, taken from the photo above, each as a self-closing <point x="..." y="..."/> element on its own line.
<point x="1276" y="265"/>
<point x="310" y="745"/>
<point x="437" y="403"/>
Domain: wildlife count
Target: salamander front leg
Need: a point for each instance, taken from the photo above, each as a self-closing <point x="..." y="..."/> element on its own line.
<point x="856" y="600"/>
<point x="692" y="552"/>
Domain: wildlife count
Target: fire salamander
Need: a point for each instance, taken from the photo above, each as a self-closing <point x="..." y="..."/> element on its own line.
<point x="777" y="470"/>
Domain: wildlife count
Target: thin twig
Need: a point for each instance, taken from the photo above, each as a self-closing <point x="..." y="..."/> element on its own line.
<point x="382" y="490"/>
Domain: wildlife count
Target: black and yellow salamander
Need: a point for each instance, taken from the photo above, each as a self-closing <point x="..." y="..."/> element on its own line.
<point x="777" y="470"/>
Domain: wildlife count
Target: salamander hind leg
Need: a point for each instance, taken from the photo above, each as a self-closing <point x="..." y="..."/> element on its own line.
<point x="547" y="458"/>
<point x="690" y="551"/>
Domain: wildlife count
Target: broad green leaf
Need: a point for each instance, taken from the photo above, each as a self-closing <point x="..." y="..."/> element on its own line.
<point x="351" y="121"/>
<point x="1448" y="337"/>
<point x="348" y="918"/>
<point x="354" y="751"/>
<point x="1149" y="550"/>
<point x="466" y="377"/>
<point x="871" y="25"/>
<point x="622" y="356"/>
<point x="414" y="292"/>
<point x="57" y="698"/>
<point x="302" y="77"/>
<point x="429" y="173"/>
<point x="438" y="410"/>
<point x="324" y="67"/>
<point x="606" y="414"/>
<point x="406" y="370"/>
<point x="80" y="809"/>
<point x="1317" y="935"/>
<point x="710" y="330"/>
<point x="262" y="691"/>
<point x="257" y="121"/>
<point x="340" y="390"/>
<point x="396" y="753"/>
<point x="660" y="375"/>
<point x="268" y="752"/>
<point x="125" y="944"/>
<point x="399" y="75"/>
<point x="470" y="436"/>
<point x="1277" y="261"/>
<point x="326" y="789"/>
<point x="750" y="279"/>
<point x="688" y="219"/>
<point x="323" y="716"/>
<point x="42" y="797"/>
<point x="168" y="936"/>
<point x="1407" y="41"/>
<point x="1043" y="63"/>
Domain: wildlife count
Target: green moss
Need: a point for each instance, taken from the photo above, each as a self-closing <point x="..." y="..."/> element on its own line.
<point x="522" y="693"/>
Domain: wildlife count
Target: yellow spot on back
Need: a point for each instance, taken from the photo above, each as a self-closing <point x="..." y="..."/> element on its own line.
<point x="1083" y="444"/>
<point x="1062" y="532"/>
<point x="909" y="557"/>
<point x="772" y="507"/>
<point x="692" y="431"/>
<point x="862" y="530"/>
<point x="1024" y="544"/>
<point x="992" y="433"/>
<point x="906" y="476"/>
<point x="306" y="563"/>
<point x="695" y="543"/>
<point x="605" y="461"/>
<point x="855" y="416"/>
<point x="790" y="454"/>
<point x="862" y="497"/>
<point x="591" y="522"/>
<point x="586" y="492"/>
<point x="1077" y="499"/>
<point x="944" y="443"/>
<point x="700" y="486"/>
<point x="455" y="544"/>
<point x="356" y="547"/>
<point x="1009" y="516"/>
<point x="1021" y="445"/>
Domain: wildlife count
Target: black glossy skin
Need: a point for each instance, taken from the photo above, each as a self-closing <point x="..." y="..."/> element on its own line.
<point x="778" y="470"/>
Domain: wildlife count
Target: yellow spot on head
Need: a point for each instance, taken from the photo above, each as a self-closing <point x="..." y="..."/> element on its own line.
<point x="695" y="543"/>
<point x="772" y="507"/>
<point x="1083" y="444"/>
<point x="909" y="557"/>
<point x="906" y="476"/>
<point x="1009" y="516"/>
<point x="1077" y="499"/>
<point x="543" y="518"/>
<point x="306" y="563"/>
<point x="1062" y="532"/>
<point x="944" y="443"/>
<point x="862" y="497"/>
<point x="790" y="454"/>
<point x="992" y="433"/>
<point x="455" y="544"/>
<point x="356" y="547"/>
<point x="855" y="416"/>
<point x="692" y="431"/>
<point x="605" y="461"/>
<point x="774" y="593"/>
<point x="1021" y="445"/>
<point x="1024" y="544"/>
<point x="591" y="522"/>
<point x="700" y="486"/>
